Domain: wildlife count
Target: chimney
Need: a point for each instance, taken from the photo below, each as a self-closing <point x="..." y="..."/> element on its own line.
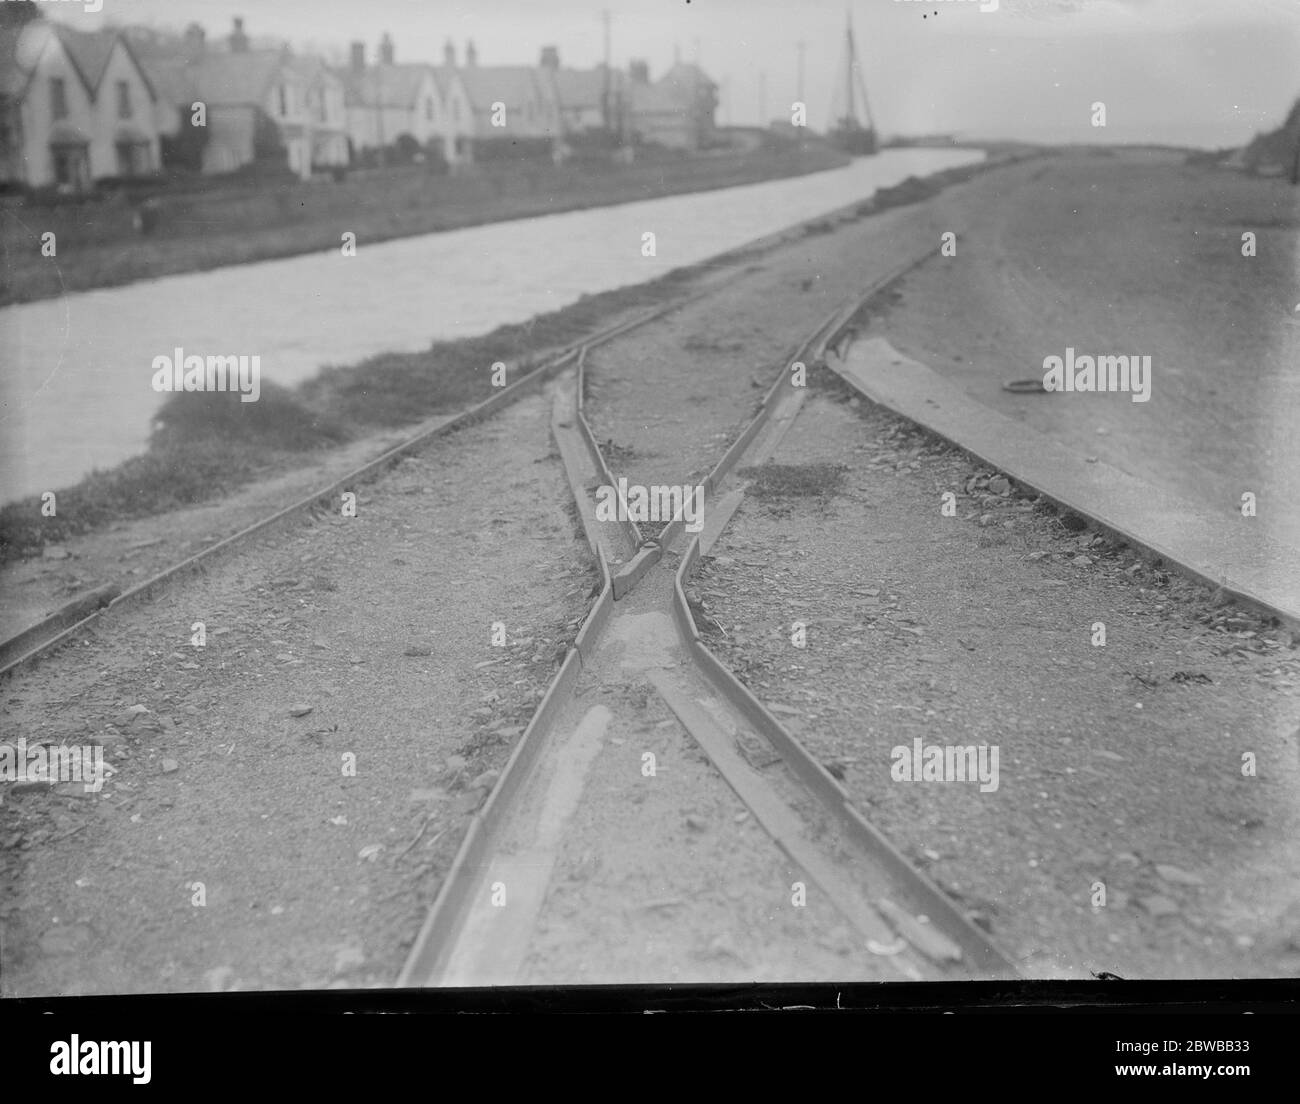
<point x="471" y="54"/>
<point x="238" y="39"/>
<point x="639" y="72"/>
<point x="550" y="58"/>
<point x="195" y="41"/>
<point x="386" y="49"/>
<point x="358" y="57"/>
<point x="449" y="55"/>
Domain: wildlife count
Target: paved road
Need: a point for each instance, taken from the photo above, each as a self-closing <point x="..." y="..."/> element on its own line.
<point x="1131" y="254"/>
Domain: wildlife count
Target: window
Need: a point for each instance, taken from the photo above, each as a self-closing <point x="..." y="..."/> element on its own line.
<point x="58" y="98"/>
<point x="284" y="102"/>
<point x="123" y="100"/>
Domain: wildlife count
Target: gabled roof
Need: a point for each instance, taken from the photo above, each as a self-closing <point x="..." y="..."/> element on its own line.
<point x="88" y="51"/>
<point x="165" y="59"/>
<point x="170" y="78"/>
<point x="687" y="76"/>
<point x="646" y="98"/>
<point x="385" y="85"/>
<point x="584" y="88"/>
<point x="239" y="78"/>
<point x="509" y="84"/>
<point x="443" y="76"/>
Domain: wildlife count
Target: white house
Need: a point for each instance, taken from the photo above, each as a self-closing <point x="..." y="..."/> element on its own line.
<point x="387" y="101"/>
<point x="259" y="98"/>
<point x="75" y="107"/>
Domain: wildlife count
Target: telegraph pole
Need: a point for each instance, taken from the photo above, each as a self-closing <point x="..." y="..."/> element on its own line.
<point x="605" y="97"/>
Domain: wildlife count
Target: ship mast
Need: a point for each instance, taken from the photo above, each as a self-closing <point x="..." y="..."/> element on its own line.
<point x="851" y="121"/>
<point x="850" y="116"/>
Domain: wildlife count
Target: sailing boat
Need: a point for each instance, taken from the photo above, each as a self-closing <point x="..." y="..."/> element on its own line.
<point x="848" y="132"/>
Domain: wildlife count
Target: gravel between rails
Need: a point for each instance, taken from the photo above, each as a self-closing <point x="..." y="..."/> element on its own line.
<point x="381" y="625"/>
<point x="1119" y="764"/>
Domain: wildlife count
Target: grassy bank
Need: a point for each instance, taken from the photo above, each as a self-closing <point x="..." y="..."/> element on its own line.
<point x="208" y="444"/>
<point x="98" y="245"/>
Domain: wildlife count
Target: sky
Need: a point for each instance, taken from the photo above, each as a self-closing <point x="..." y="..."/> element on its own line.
<point x="1206" y="73"/>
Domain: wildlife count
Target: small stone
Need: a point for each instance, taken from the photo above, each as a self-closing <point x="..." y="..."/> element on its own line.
<point x="698" y="823"/>
<point x="370" y="852"/>
<point x="1000" y="485"/>
<point x="1176" y="876"/>
<point x="170" y="766"/>
<point x="130" y="716"/>
<point x="355" y="659"/>
<point x="486" y="780"/>
<point x="54" y="552"/>
<point x="456" y="763"/>
<point x="416" y="650"/>
<point x="1081" y="561"/>
<point x="468" y="801"/>
<point x="299" y="710"/>
<point x="986" y="520"/>
<point x="191" y="710"/>
<point x="1109" y="755"/>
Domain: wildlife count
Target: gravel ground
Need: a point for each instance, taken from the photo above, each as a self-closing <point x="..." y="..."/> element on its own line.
<point x="132" y="551"/>
<point x="1119" y="763"/>
<point x="667" y="400"/>
<point x="379" y="626"/>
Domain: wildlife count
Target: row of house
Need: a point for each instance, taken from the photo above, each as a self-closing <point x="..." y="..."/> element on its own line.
<point x="78" y="107"/>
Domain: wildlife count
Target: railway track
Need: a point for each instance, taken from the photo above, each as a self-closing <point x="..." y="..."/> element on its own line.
<point x="64" y="625"/>
<point x="641" y="725"/>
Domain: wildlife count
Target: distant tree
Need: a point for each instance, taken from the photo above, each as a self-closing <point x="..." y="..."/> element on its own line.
<point x="184" y="151"/>
<point x="1292" y="130"/>
<point x="18" y="15"/>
